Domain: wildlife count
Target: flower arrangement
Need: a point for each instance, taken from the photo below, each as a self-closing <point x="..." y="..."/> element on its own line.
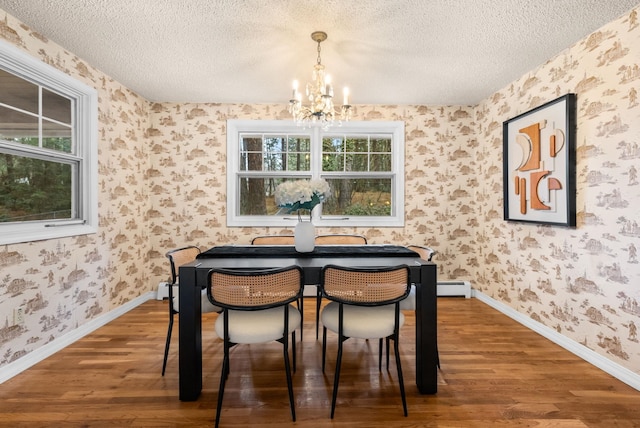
<point x="301" y="194"/>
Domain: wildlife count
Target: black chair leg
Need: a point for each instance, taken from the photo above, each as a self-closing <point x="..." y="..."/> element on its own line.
<point x="287" y="369"/>
<point x="166" y="346"/>
<point x="318" y="302"/>
<point x="336" y="378"/>
<point x="400" y="379"/>
<point x="387" y="353"/>
<point x="324" y="346"/>
<point x="293" y="348"/>
<point x="380" y="355"/>
<point x="300" y="305"/>
<point x="223" y="380"/>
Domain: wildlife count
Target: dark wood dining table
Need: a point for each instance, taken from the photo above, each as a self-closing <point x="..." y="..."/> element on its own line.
<point x="193" y="278"/>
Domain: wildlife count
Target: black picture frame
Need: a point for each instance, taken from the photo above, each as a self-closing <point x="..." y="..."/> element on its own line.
<point x="539" y="164"/>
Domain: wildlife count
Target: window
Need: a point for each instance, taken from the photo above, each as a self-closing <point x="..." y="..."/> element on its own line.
<point x="48" y="151"/>
<point x="363" y="162"/>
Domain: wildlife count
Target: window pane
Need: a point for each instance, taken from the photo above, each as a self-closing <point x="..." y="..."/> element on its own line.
<point x="359" y="144"/>
<point x="380" y="162"/>
<point x="381" y="145"/>
<point x="257" y="195"/>
<point x="17" y="92"/>
<point x="333" y="162"/>
<point x="17" y="125"/>
<point x="299" y="158"/>
<point x="299" y="144"/>
<point x="275" y="153"/>
<point x="251" y="154"/>
<point x="57" y="143"/>
<point x="332" y="145"/>
<point x="359" y="197"/>
<point x="34" y="189"/>
<point x="56" y="107"/>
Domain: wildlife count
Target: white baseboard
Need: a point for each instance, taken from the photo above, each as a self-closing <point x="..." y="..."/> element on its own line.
<point x="34" y="357"/>
<point x="616" y="370"/>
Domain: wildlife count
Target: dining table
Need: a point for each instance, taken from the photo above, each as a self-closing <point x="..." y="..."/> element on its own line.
<point x="193" y="278"/>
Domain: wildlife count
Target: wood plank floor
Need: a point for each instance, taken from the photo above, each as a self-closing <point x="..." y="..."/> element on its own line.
<point x="495" y="373"/>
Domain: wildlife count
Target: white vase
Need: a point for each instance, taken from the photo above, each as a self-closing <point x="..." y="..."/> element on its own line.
<point x="304" y="236"/>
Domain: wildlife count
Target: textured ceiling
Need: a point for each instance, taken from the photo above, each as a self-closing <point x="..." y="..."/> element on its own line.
<point x="433" y="52"/>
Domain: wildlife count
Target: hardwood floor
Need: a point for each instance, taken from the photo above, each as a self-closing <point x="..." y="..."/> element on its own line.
<point x="495" y="373"/>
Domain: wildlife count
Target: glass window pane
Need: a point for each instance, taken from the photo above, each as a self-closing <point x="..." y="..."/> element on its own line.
<point x="251" y="154"/>
<point x="34" y="189"/>
<point x="57" y="143"/>
<point x="359" y="197"/>
<point x="358" y="144"/>
<point x="17" y="125"/>
<point x="333" y="162"/>
<point x="359" y="162"/>
<point x="257" y="195"/>
<point x="381" y="145"/>
<point x="332" y="145"/>
<point x="56" y="107"/>
<point x="18" y="93"/>
<point x="275" y="144"/>
<point x="298" y="162"/>
<point x="380" y="162"/>
<point x="299" y="144"/>
<point x="274" y="161"/>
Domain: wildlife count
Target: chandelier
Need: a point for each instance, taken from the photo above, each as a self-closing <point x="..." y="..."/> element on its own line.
<point x="320" y="110"/>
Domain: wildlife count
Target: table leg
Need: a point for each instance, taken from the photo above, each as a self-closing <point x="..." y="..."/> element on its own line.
<point x="426" y="331"/>
<point x="190" y="340"/>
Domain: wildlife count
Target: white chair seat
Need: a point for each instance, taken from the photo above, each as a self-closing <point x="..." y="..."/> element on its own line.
<point x="409" y="304"/>
<point x="360" y="321"/>
<point x="257" y="326"/>
<point x="204" y="301"/>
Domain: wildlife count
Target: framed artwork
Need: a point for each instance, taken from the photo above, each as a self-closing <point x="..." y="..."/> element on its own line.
<point x="539" y="164"/>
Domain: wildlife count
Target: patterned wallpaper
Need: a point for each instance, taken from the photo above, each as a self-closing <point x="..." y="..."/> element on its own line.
<point x="162" y="185"/>
<point x="583" y="282"/>
<point x="64" y="283"/>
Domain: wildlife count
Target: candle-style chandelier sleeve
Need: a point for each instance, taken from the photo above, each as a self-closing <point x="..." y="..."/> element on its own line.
<point x="320" y="109"/>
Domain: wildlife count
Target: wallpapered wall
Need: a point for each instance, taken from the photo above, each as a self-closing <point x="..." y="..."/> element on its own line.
<point x="64" y="283"/>
<point x="162" y="185"/>
<point x="584" y="283"/>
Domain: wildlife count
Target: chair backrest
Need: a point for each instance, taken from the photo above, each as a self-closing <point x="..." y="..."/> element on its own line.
<point x="254" y="289"/>
<point x="365" y="286"/>
<point x="426" y="253"/>
<point x="340" y="240"/>
<point x="273" y="240"/>
<point x="179" y="257"/>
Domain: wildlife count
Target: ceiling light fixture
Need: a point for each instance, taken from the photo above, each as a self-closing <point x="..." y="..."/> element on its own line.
<point x="320" y="111"/>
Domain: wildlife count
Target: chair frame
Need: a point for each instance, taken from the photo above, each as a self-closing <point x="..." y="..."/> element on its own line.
<point x="226" y="306"/>
<point x="348" y="301"/>
<point x="423" y="251"/>
<point x="273" y="240"/>
<point x="175" y="264"/>
<point x="281" y="240"/>
<point x="334" y="239"/>
<point x="339" y="239"/>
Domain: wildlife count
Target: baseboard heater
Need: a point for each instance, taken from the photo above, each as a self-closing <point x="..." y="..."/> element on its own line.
<point x="454" y="288"/>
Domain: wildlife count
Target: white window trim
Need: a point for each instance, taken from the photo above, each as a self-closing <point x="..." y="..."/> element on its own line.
<point x="236" y="127"/>
<point x="85" y="97"/>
